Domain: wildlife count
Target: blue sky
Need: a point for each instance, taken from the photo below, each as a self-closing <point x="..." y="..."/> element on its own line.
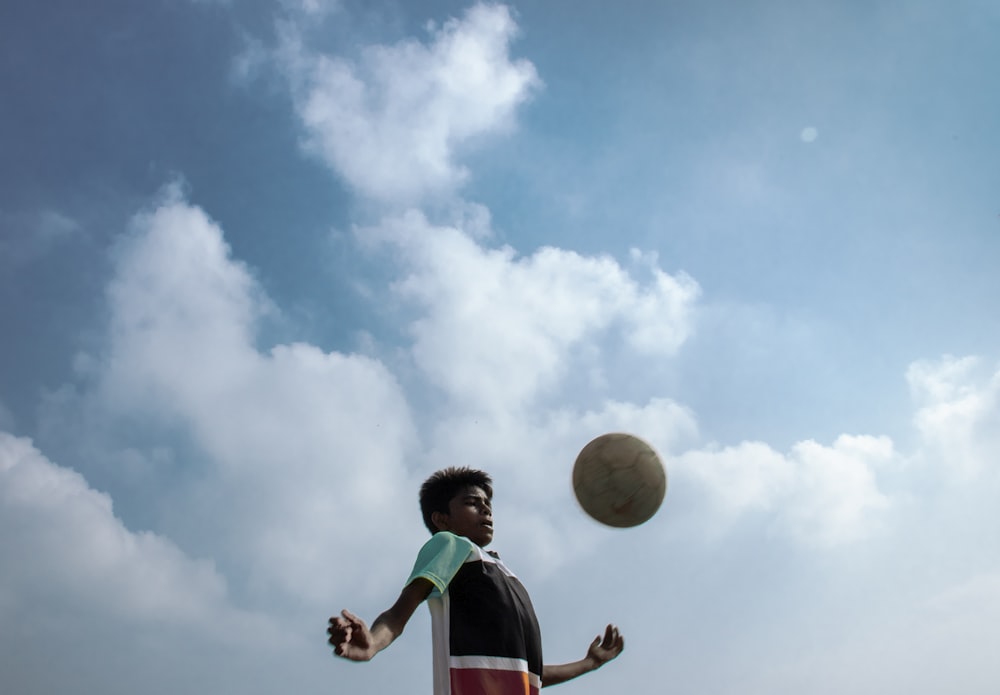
<point x="264" y="266"/>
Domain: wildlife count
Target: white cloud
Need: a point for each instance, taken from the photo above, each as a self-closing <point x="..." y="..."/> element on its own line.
<point x="299" y="442"/>
<point x="182" y="315"/>
<point x="91" y="606"/>
<point x="838" y="498"/>
<point x="394" y="124"/>
<point x="819" y="494"/>
<point x="295" y="444"/>
<point x="749" y="476"/>
<point x="495" y="331"/>
<point x="959" y="414"/>
<point x="59" y="539"/>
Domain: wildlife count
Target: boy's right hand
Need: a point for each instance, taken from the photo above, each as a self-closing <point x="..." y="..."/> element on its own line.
<point x="350" y="637"/>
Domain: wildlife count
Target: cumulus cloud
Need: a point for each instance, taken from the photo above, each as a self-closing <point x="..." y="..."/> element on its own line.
<point x="294" y="444"/>
<point x="842" y="493"/>
<point x="958" y="416"/>
<point x="495" y="330"/>
<point x="88" y="604"/>
<point x="816" y="493"/>
<point x="298" y="442"/>
<point x="60" y="541"/>
<point x="393" y="124"/>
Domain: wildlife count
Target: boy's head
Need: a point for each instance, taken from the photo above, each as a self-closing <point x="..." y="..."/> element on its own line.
<point x="459" y="500"/>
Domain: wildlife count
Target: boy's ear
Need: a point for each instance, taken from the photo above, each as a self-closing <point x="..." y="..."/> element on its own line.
<point x="440" y="519"/>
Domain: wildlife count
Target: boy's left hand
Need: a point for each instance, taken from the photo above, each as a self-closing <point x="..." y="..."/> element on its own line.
<point x="603" y="651"/>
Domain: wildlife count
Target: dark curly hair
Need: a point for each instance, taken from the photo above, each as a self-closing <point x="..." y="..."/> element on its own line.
<point x="439" y="489"/>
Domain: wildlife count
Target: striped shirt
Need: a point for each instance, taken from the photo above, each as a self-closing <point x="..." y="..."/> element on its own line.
<point x="485" y="633"/>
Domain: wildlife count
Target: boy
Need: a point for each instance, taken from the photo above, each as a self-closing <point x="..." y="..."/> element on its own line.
<point x="485" y="634"/>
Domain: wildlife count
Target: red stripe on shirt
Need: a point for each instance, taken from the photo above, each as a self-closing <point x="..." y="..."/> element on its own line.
<point x="480" y="681"/>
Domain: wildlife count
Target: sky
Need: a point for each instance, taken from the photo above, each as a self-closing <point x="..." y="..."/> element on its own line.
<point x="267" y="264"/>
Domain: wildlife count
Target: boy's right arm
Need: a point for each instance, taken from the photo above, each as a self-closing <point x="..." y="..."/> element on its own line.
<point x="352" y="639"/>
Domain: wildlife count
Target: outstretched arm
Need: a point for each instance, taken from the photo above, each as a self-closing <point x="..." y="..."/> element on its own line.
<point x="599" y="653"/>
<point x="352" y="639"/>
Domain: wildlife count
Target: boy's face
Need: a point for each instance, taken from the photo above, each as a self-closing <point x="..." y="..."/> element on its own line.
<point x="470" y="514"/>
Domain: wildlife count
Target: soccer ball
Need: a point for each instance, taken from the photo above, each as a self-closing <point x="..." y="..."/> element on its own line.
<point x="619" y="480"/>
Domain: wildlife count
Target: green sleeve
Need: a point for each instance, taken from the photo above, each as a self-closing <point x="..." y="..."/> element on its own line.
<point x="440" y="559"/>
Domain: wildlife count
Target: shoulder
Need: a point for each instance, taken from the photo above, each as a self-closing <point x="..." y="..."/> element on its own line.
<point x="446" y="543"/>
<point x="440" y="559"/>
<point x="447" y="539"/>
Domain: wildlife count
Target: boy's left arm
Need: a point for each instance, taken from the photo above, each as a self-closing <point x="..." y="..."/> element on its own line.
<point x="599" y="653"/>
